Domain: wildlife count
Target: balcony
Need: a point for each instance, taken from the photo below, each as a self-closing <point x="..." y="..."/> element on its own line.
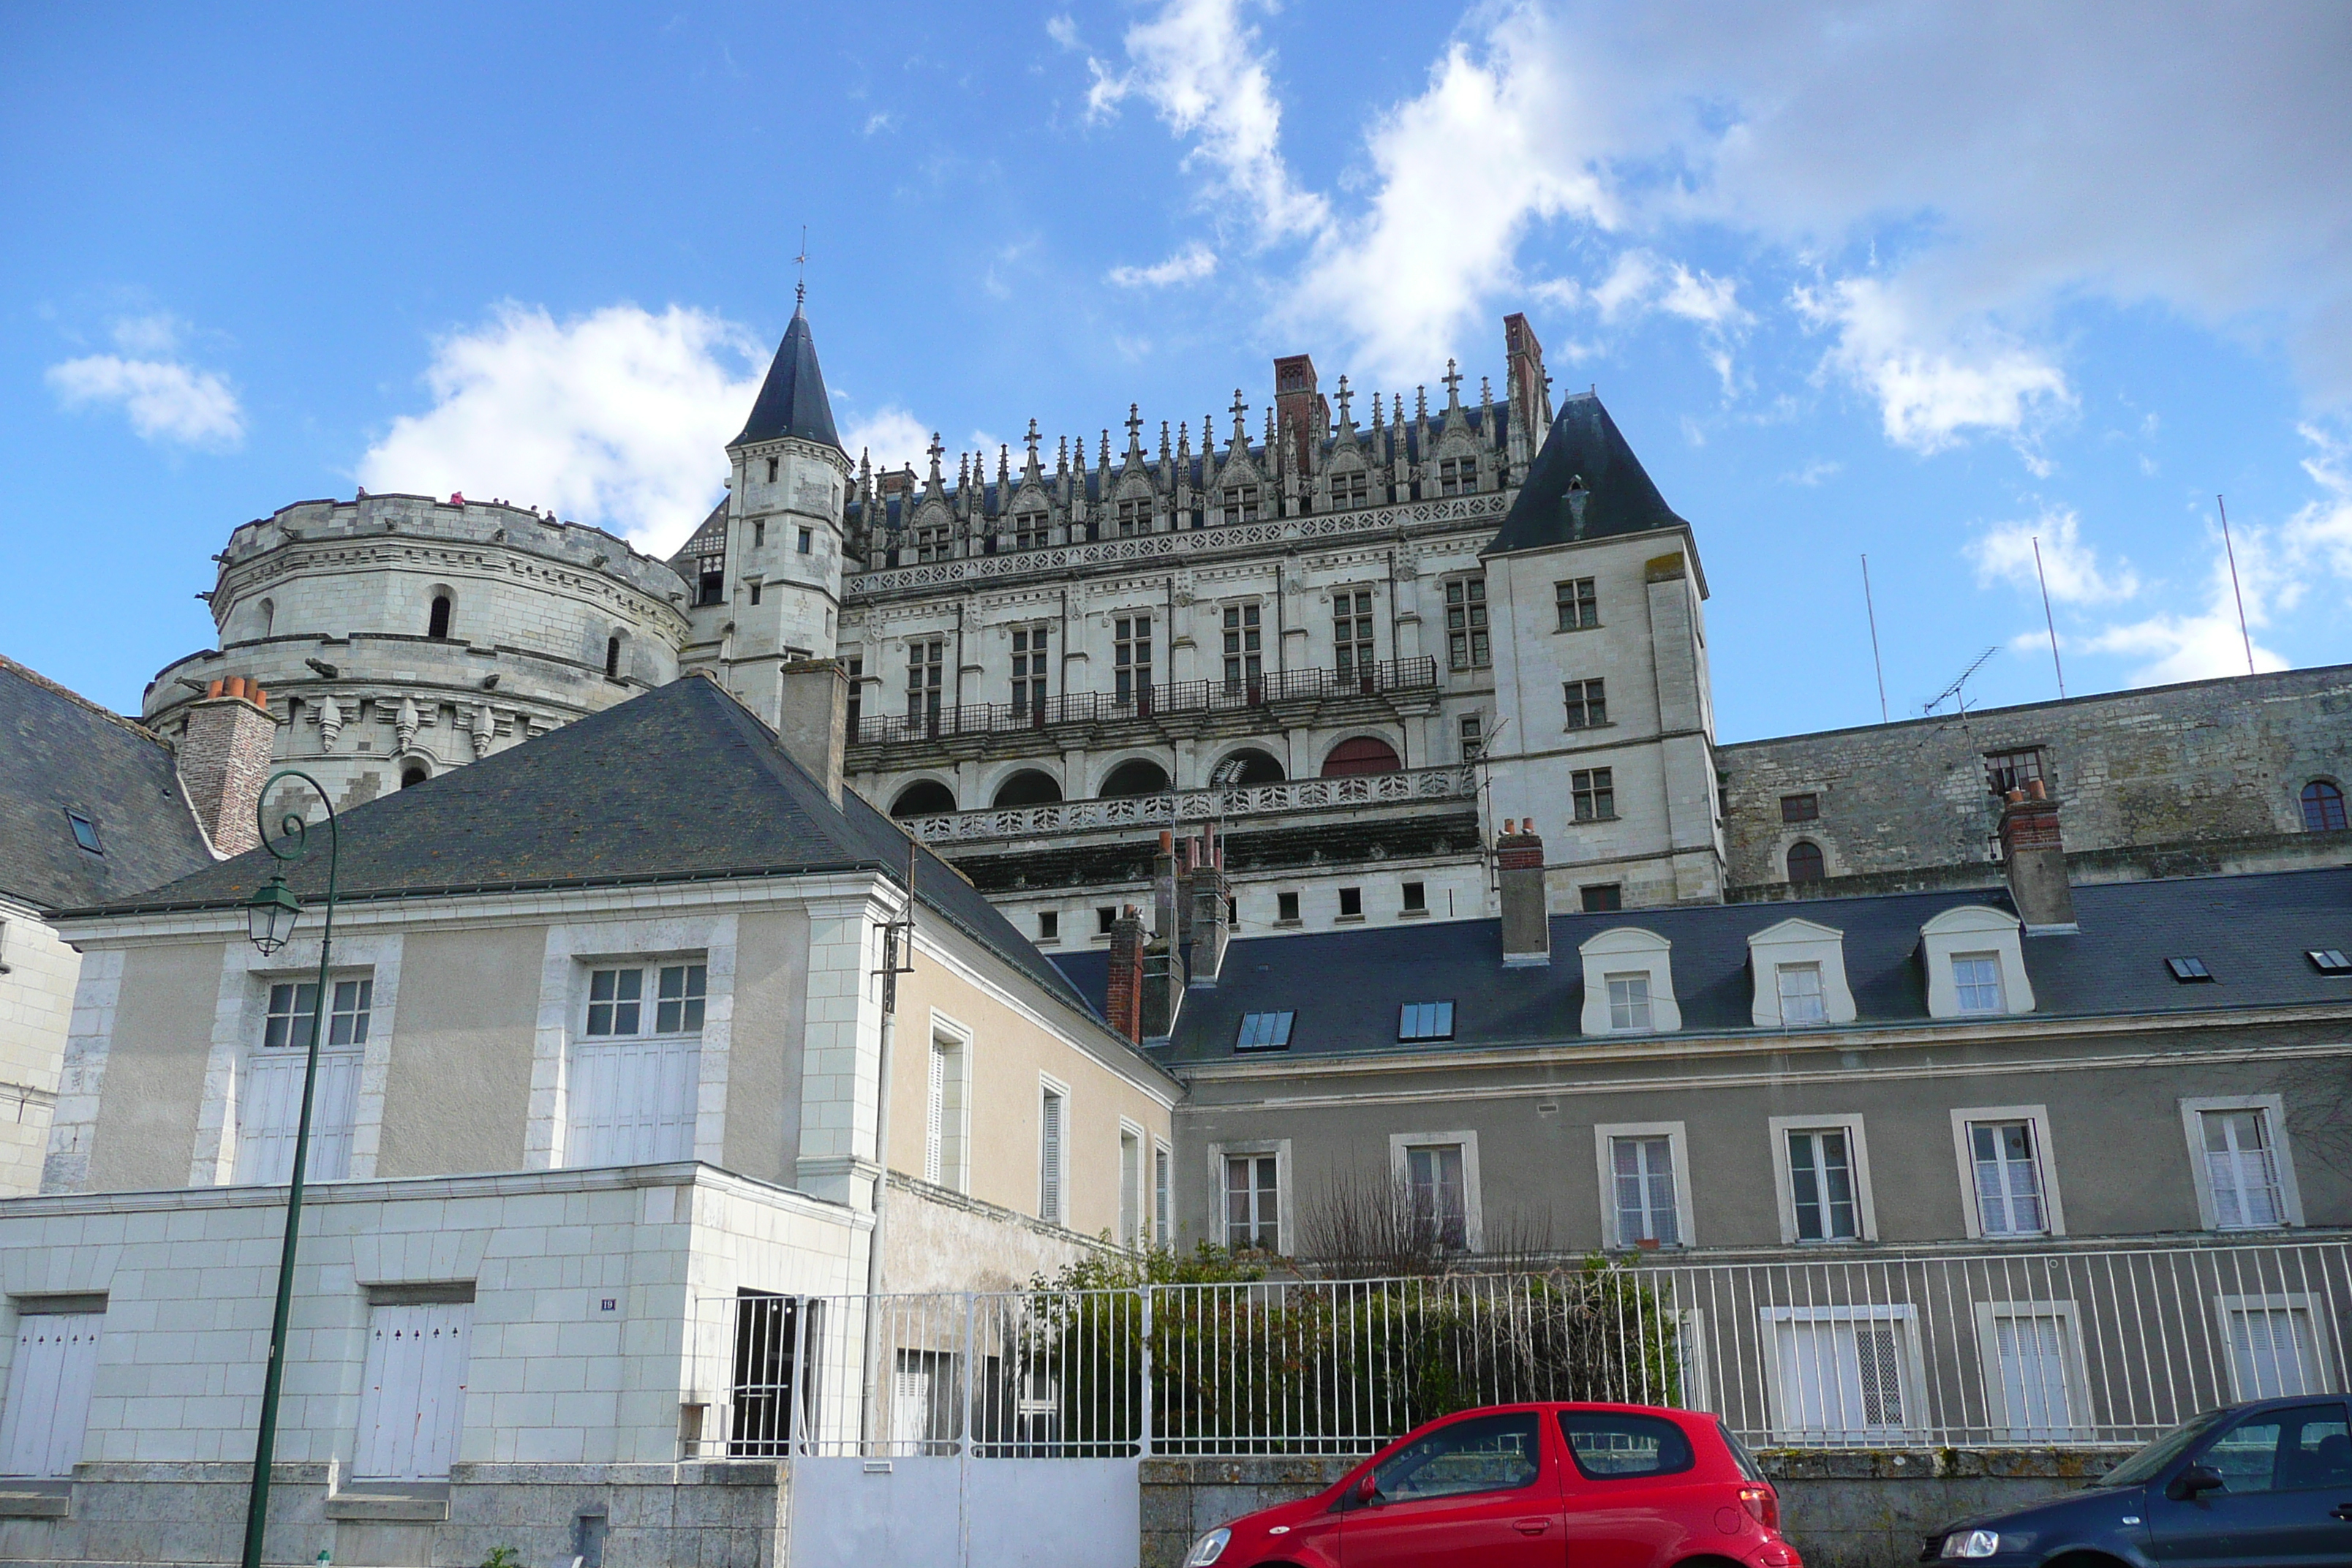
<point x="1390" y="678"/>
<point x="1417" y="786"/>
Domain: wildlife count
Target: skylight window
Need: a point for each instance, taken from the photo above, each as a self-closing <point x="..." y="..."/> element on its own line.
<point x="84" y="832"/>
<point x="2329" y="961"/>
<point x="1425" y="1021"/>
<point x="1265" y="1032"/>
<point x="2188" y="971"/>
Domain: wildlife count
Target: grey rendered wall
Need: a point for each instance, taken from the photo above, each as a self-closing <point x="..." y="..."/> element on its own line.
<point x="763" y="1058"/>
<point x="457" y="1091"/>
<point x="155" y="1081"/>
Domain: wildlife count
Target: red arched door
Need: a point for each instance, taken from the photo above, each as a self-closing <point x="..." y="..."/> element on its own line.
<point x="1363" y="754"/>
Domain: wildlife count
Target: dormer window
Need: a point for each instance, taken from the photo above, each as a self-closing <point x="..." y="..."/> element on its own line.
<point x="1975" y="962"/>
<point x="1029" y="529"/>
<point x="1349" y="487"/>
<point x="1629" y="984"/>
<point x="1241" y="504"/>
<point x="84" y="832"/>
<point x="1799" y="976"/>
<point x="1799" y="988"/>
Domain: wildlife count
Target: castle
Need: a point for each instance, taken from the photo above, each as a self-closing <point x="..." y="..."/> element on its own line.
<point x="1362" y="647"/>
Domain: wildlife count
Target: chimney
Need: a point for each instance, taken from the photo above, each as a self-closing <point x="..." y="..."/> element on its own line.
<point x="1526" y="923"/>
<point x="814" y="717"/>
<point x="1210" y="930"/>
<point x="2036" y="857"/>
<point x="1164" y="889"/>
<point x="1124" y="1002"/>
<point x="224" y="760"/>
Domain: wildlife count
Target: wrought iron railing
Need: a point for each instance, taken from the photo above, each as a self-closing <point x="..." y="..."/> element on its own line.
<point x="1180" y="806"/>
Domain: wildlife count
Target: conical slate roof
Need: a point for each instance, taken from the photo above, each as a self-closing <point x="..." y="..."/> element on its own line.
<point x="792" y="401"/>
<point x="1585" y="483"/>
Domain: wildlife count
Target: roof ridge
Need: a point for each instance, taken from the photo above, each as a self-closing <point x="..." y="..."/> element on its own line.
<point x="70" y="695"/>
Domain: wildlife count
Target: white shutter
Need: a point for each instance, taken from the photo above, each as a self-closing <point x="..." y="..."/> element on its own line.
<point x="633" y="1102"/>
<point x="48" y="1393"/>
<point x="1049" y="1158"/>
<point x="934" y="1109"/>
<point x="2036" y="1400"/>
<point x="413" y="1395"/>
<point x="269" y="1113"/>
<point x="2273" y="1351"/>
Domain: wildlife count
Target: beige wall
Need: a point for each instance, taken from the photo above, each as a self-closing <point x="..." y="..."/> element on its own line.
<point x="154" y="1082"/>
<point x="457" y="1087"/>
<point x="35" y="1003"/>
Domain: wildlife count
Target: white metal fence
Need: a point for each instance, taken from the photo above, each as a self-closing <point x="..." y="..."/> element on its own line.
<point x="2101" y="1345"/>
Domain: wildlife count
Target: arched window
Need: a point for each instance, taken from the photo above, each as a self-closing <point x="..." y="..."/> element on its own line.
<point x="1805" y="861"/>
<point x="437" y="624"/>
<point x="1364" y="754"/>
<point x="612" y="658"/>
<point x="1137" y="775"/>
<point x="413" y="774"/>
<point x="1028" y="787"/>
<point x="268" y="616"/>
<point x="1243" y="768"/>
<point x="924" y="797"/>
<point x="2323" y="807"/>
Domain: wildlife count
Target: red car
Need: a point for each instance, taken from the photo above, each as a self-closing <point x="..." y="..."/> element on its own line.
<point x="1529" y="1485"/>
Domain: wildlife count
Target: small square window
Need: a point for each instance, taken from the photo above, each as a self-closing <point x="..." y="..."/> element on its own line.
<point x="1577" y="605"/>
<point x="1352" y="903"/>
<point x="1105" y="917"/>
<point x="1602" y="898"/>
<point x="1425" y="1021"/>
<point x="1976" y="983"/>
<point x="1285" y="908"/>
<point x="1416" y="899"/>
<point x="1263" y="1032"/>
<point x="84" y="832"/>
<point x="1049" y="925"/>
<point x="2329" y="961"/>
<point x="2188" y="971"/>
<point x="1800" y="807"/>
<point x="1629" y="1004"/>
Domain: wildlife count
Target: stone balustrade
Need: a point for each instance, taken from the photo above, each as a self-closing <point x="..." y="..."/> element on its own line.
<point x="1177" y="807"/>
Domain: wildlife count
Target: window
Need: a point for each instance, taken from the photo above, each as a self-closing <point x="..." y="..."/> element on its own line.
<point x="1805" y="863"/>
<point x="437" y="624"/>
<point x="1049" y="925"/>
<point x="1162" y="1219"/>
<point x="1130" y="1187"/>
<point x="1473" y="727"/>
<point x="2329" y="961"/>
<point x="287" y="1025"/>
<point x="1594" y="793"/>
<point x="1840" y="1371"/>
<point x="1349" y="487"/>
<point x="2189" y="971"/>
<point x="1105" y="917"/>
<point x="85" y="833"/>
<point x="1602" y="898"/>
<point x="1352" y="903"/>
<point x="1976" y="983"/>
<point x="1642" y="1177"/>
<point x="931" y="541"/>
<point x="1029" y="643"/>
<point x="759" y="528"/>
<point x="1457" y="476"/>
<point x="412" y="1391"/>
<point x="1480" y="1454"/>
<point x="1467" y="640"/>
<point x="1822" y="1185"/>
<point x="1351" y="634"/>
<point x="2032" y="1360"/>
<point x="2322" y="807"/>
<point x="1416" y="899"/>
<point x="1263" y="1032"/>
<point x="943" y="1114"/>
<point x="1800" y="807"/>
<point x="755" y="592"/>
<point x="772" y="470"/>
<point x="2275" y="1353"/>
<point x="633" y="1084"/>
<point x="1131" y="658"/>
<point x="857" y="670"/>
<point x="1587" y="705"/>
<point x="807" y="541"/>
<point x="1578" y="606"/>
<point x="1285" y="908"/>
<point x="50" y="1383"/>
<point x="1241" y="504"/>
<point x="926" y="670"/>
<point x="1030" y="529"/>
<point x="1253" y="1202"/>
<point x="2242" y="1170"/>
<point x="269" y="1098"/>
<point x="1608" y="1445"/>
<point x="1441" y="1214"/>
<point x="616" y="1000"/>
<point x="1425" y="1021"/>
<point x="1799" y="987"/>
<point x="1051" y="1105"/>
<point x="1629" y="1004"/>
<point x="1242" y="669"/>
<point x="2002" y="1157"/>
<point x="2006" y="770"/>
<point x="612" y="659"/>
<point x="1135" y="516"/>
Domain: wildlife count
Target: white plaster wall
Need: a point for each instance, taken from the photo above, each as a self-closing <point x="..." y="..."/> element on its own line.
<point x="36" y="996"/>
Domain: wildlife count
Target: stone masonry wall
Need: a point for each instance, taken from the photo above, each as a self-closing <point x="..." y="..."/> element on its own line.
<point x="2209" y="768"/>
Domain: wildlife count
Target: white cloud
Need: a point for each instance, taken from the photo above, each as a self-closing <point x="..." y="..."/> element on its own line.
<point x="166" y="400"/>
<point x="617" y="418"/>
<point x="1814" y="472"/>
<point x="894" y="437"/>
<point x="1929" y="392"/>
<point x="2005" y="553"/>
<point x="1189" y="265"/>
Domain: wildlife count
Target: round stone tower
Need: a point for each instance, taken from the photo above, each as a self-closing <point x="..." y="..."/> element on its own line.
<point x="398" y="635"/>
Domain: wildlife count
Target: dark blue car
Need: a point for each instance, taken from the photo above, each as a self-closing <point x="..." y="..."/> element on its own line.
<point x="2266" y="1483"/>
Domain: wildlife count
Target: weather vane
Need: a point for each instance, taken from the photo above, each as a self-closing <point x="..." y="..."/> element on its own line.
<point x="800" y="290"/>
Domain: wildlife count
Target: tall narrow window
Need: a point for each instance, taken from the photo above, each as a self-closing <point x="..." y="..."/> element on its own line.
<point x="855" y="668"/>
<point x="1050" y="1104"/>
<point x="1243" y="669"/>
<point x="1253" y="1202"/>
<point x="1588" y="704"/>
<point x="1440" y="1208"/>
<point x="2008" y="1178"/>
<point x="1820" y="1185"/>
<point x="269" y="1098"/>
<point x="1805" y="863"/>
<point x="49" y="1385"/>
<point x="632" y="1087"/>
<point x="943" y="1115"/>
<point x="926" y="671"/>
<point x="437" y="623"/>
<point x="1473" y="737"/>
<point x="412" y="1389"/>
<point x="1131" y="657"/>
<point x="1577" y="605"/>
<point x="2322" y="807"/>
<point x="1351" y="634"/>
<point x="1799" y="987"/>
<point x="1643" y="1169"/>
<point x="773" y="465"/>
<point x="759" y="534"/>
<point x="1976" y="983"/>
<point x="612" y="658"/>
<point x="2243" y="1166"/>
<point x="1162" y="1221"/>
<point x="1130" y="1189"/>
<point x="1466" y="641"/>
<point x="1593" y="794"/>
<point x="1029" y="645"/>
<point x="1629" y="1002"/>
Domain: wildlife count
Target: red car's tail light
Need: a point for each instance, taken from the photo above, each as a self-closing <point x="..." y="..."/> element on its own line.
<point x="1763" y="1506"/>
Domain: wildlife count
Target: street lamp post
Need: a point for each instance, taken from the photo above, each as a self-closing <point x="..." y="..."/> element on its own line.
<point x="270" y="916"/>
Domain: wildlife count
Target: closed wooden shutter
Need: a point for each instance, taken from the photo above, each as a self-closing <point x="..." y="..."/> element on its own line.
<point x="413" y="1395"/>
<point x="633" y="1102"/>
<point x="48" y="1393"/>
<point x="269" y="1113"/>
<point x="1049" y="1159"/>
<point x="935" y="1105"/>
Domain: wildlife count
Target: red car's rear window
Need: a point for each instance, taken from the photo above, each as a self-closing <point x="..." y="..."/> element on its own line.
<point x="1740" y="1456"/>
<point x="1612" y="1444"/>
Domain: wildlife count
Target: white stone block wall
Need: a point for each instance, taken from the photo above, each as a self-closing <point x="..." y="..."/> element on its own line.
<point x="36" y="1001"/>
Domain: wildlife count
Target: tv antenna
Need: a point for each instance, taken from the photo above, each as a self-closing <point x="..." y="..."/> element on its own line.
<point x="1953" y="692"/>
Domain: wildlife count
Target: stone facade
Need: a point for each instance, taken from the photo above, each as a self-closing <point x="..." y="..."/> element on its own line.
<point x="38" y="976"/>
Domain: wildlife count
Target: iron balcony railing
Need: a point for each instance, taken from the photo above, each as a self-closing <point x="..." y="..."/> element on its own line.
<point x="2101" y="1345"/>
<point x="1147" y="702"/>
<point x="1177" y="807"/>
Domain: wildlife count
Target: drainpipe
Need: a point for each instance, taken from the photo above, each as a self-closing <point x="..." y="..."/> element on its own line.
<point x="896" y="961"/>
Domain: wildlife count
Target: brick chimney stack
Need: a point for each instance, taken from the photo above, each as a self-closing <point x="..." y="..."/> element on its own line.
<point x="224" y="761"/>
<point x="1208" y="930"/>
<point x="1124" y="1001"/>
<point x="2035" y="855"/>
<point x="1526" y="923"/>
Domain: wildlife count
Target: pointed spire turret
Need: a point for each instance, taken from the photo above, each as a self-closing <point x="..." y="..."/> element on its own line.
<point x="793" y="400"/>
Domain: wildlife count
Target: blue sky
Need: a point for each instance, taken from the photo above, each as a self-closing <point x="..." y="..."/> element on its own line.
<point x="1925" y="282"/>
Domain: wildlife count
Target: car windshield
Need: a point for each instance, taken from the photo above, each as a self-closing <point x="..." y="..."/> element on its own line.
<point x="2145" y="1466"/>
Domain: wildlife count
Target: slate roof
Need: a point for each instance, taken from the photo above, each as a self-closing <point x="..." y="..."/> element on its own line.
<point x="680" y="785"/>
<point x="60" y="752"/>
<point x="1348" y="986"/>
<point x="791" y="401"/>
<point x="1617" y="496"/>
